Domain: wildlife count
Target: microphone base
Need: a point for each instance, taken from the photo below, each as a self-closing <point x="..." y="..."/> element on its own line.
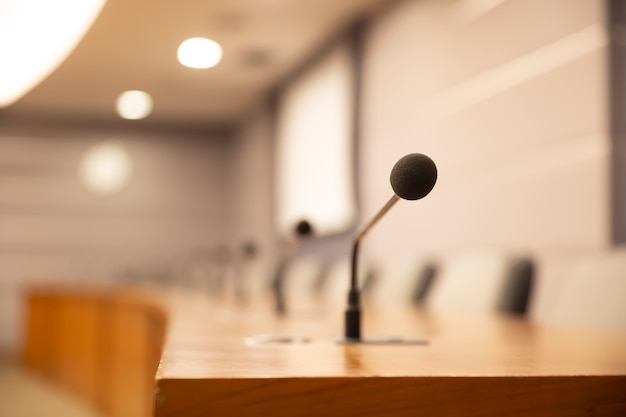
<point x="382" y="341"/>
<point x="276" y="339"/>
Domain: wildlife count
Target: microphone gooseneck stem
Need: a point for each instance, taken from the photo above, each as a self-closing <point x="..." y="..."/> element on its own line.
<point x="353" y="312"/>
<point x="278" y="281"/>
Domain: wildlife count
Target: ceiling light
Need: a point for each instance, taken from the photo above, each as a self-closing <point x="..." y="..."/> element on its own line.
<point x="134" y="104"/>
<point x="35" y="37"/>
<point x="105" y="168"/>
<point x="199" y="53"/>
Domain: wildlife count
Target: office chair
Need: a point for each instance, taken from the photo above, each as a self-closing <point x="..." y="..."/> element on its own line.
<point x="593" y="294"/>
<point x="300" y="276"/>
<point x="482" y="282"/>
<point x="426" y="276"/>
<point x="399" y="281"/>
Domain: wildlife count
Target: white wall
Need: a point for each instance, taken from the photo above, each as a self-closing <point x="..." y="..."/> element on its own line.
<point x="511" y="103"/>
<point x="251" y="204"/>
<point x="53" y="229"/>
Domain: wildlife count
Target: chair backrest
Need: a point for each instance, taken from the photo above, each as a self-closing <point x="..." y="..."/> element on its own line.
<point x="335" y="282"/>
<point x="402" y="281"/>
<point x="482" y="282"/>
<point x="301" y="274"/>
<point x="426" y="276"/>
<point x="593" y="294"/>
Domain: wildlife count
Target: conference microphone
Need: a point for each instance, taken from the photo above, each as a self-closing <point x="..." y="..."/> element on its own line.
<point x="412" y="178"/>
<point x="302" y="230"/>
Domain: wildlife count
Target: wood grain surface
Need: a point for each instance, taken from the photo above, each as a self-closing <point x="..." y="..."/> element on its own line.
<point x="470" y="366"/>
<point x="101" y="344"/>
<point x="105" y="347"/>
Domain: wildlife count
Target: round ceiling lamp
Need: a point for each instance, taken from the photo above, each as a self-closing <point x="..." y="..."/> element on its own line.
<point x="199" y="53"/>
<point x="134" y="105"/>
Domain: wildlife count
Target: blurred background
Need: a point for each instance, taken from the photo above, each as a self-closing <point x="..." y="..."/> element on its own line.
<point x="518" y="102"/>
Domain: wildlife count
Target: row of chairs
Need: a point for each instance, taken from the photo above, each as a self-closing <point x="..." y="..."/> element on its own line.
<point x="592" y="293"/>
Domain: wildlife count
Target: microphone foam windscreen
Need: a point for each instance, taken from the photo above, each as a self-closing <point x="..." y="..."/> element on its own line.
<point x="304" y="228"/>
<point x="413" y="176"/>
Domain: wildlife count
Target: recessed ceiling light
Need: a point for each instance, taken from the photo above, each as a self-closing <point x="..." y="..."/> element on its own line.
<point x="199" y="53"/>
<point x="134" y="104"/>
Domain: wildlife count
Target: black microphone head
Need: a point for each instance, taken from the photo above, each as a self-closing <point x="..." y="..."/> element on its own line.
<point x="249" y="249"/>
<point x="413" y="176"/>
<point x="303" y="228"/>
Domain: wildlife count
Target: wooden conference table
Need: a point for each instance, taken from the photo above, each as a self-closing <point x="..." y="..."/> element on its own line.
<point x="211" y="363"/>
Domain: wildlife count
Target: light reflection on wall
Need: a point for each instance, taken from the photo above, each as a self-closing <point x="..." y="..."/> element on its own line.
<point x="106" y="168"/>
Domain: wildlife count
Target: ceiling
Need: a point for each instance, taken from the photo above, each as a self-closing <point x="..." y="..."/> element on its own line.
<point x="133" y="43"/>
